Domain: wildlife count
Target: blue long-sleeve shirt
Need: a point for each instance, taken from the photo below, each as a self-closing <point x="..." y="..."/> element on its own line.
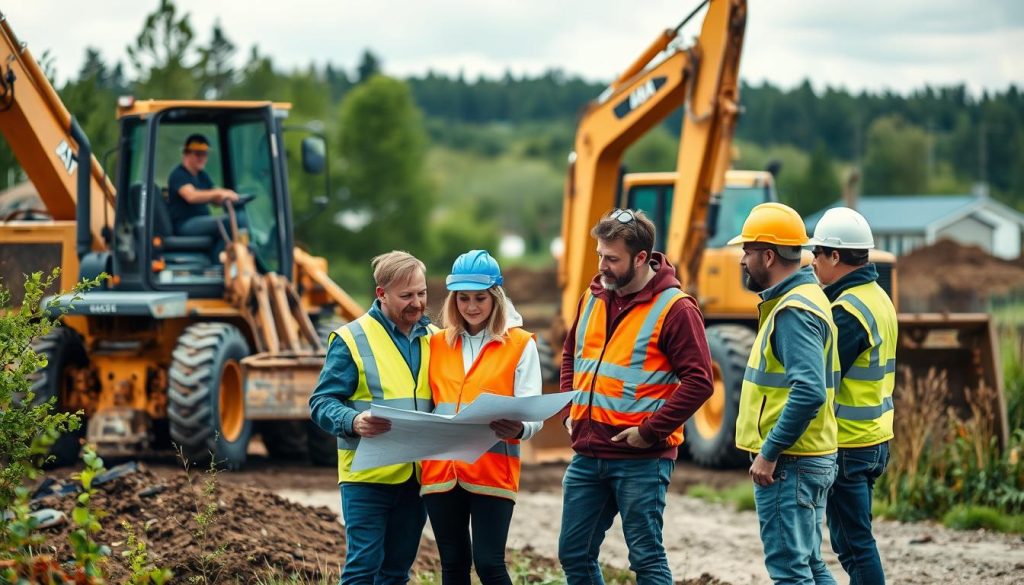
<point x="340" y="377"/>
<point x="799" y="340"/>
<point x="853" y="337"/>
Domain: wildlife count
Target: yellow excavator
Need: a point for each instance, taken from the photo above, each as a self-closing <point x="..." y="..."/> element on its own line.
<point x="696" y="208"/>
<point x="193" y="340"/>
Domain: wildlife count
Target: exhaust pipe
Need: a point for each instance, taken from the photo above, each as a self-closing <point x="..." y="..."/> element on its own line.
<point x="83" y="203"/>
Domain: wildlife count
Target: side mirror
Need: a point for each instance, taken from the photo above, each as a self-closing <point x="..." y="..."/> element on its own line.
<point x="313" y="155"/>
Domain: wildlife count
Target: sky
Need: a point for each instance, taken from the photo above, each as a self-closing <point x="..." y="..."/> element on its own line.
<point x="874" y="45"/>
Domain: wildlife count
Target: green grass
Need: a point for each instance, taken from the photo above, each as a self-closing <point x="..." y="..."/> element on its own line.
<point x="740" y="495"/>
<point x="978" y="517"/>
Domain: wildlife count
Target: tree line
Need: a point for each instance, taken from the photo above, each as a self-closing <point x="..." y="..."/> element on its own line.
<point x="933" y="140"/>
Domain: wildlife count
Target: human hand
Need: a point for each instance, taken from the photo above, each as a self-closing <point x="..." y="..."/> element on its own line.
<point x="366" y="425"/>
<point x="632" y="437"/>
<point x="761" y="471"/>
<point x="228" y="195"/>
<point x="507" y="429"/>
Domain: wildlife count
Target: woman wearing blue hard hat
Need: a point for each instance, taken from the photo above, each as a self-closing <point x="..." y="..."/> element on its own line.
<point x="483" y="348"/>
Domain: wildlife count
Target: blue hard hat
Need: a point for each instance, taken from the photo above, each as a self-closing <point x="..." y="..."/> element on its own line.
<point x="474" y="270"/>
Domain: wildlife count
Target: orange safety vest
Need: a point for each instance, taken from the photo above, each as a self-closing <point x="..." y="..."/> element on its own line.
<point x="496" y="473"/>
<point x="625" y="378"/>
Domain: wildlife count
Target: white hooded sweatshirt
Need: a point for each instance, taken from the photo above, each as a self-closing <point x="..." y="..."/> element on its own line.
<point x="528" y="376"/>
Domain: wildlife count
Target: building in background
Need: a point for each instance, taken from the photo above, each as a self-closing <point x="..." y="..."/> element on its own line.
<point x="902" y="223"/>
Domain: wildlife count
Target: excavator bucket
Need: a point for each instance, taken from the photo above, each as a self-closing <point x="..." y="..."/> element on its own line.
<point x="961" y="350"/>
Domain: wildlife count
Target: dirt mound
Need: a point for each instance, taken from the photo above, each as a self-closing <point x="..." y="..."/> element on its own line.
<point x="948" y="276"/>
<point x="251" y="534"/>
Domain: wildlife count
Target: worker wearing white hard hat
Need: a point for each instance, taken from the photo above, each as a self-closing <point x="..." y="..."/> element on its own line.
<point x="867" y="335"/>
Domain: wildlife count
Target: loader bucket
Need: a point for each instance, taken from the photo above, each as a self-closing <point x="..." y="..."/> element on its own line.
<point x="277" y="386"/>
<point x="963" y="347"/>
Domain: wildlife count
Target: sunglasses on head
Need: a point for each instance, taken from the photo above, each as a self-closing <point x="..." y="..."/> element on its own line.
<point x="622" y="215"/>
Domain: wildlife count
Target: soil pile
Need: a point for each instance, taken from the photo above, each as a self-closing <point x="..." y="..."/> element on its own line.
<point x="948" y="276"/>
<point x="251" y="534"/>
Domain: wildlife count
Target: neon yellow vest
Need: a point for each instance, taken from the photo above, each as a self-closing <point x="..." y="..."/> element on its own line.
<point x="384" y="378"/>
<point x="864" y="408"/>
<point x="765" y="390"/>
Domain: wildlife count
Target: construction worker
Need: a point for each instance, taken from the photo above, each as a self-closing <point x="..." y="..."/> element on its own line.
<point x="639" y="357"/>
<point x="481" y="349"/>
<point x="190" y="190"/>
<point x="383" y="357"/>
<point x="785" y="416"/>
<point x="866" y="321"/>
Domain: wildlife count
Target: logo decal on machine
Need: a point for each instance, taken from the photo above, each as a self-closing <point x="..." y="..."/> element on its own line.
<point x="67" y="157"/>
<point x="639" y="96"/>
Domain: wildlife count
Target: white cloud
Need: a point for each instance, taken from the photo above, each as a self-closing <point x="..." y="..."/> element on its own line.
<point x="873" y="44"/>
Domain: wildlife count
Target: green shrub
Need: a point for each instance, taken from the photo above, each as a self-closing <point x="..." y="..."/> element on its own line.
<point x="941" y="460"/>
<point x="978" y="517"/>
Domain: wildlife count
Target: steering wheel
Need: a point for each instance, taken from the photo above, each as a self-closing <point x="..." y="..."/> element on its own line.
<point x="243" y="200"/>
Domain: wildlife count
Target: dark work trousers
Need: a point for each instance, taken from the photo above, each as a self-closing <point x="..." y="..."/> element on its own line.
<point x="453" y="514"/>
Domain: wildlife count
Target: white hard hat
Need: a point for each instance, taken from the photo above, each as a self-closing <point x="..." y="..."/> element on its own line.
<point x="843" y="229"/>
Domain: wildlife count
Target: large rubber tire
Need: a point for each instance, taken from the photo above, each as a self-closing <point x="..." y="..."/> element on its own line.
<point x="550" y="362"/>
<point x="711" y="431"/>
<point x="206" y="400"/>
<point x="64" y="349"/>
<point x="323" y="446"/>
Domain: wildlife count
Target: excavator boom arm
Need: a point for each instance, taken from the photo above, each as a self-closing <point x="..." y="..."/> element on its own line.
<point x="705" y="77"/>
<point x="38" y="129"/>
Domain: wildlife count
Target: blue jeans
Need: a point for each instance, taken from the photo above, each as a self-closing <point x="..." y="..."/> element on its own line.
<point x="790" y="512"/>
<point x="383" y="525"/>
<point x="849" y="512"/>
<point x="593" y="492"/>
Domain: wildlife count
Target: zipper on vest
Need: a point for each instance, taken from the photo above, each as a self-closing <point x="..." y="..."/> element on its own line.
<point x="764" y="402"/>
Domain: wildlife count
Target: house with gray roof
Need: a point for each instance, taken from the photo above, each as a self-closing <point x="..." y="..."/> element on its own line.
<point x="901" y="223"/>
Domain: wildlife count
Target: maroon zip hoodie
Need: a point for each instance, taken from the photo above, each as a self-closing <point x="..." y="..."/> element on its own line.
<point x="682" y="340"/>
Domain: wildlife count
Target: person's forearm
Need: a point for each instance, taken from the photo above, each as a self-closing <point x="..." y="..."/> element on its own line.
<point x="800" y="342"/>
<point x="337" y="383"/>
<point x="684" y="341"/>
<point x="528" y="382"/>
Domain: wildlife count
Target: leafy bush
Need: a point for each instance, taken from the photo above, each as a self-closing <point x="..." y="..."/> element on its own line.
<point x="941" y="460"/>
<point x="27" y="431"/>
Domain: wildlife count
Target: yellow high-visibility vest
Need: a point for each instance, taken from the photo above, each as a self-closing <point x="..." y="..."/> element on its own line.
<point x="765" y="390"/>
<point x="864" y="406"/>
<point x="384" y="378"/>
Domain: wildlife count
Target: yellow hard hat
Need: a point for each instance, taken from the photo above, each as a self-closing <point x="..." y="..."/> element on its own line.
<point x="773" y="223"/>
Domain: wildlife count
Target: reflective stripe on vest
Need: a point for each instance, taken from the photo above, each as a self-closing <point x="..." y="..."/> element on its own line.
<point x="623" y="378"/>
<point x="384" y="378"/>
<point x="765" y="390"/>
<point x="496" y="472"/>
<point x="864" y="404"/>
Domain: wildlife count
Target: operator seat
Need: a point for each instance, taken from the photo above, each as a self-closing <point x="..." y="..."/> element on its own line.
<point x="162" y="227"/>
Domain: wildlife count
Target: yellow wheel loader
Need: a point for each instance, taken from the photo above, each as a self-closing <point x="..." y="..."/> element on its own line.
<point x="193" y="340"/>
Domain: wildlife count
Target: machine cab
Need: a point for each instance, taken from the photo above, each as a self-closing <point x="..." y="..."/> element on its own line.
<point x="720" y="284"/>
<point x="652" y="193"/>
<point x="151" y="251"/>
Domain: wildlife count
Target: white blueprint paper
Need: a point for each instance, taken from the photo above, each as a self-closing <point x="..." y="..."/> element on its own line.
<point x="463" y="437"/>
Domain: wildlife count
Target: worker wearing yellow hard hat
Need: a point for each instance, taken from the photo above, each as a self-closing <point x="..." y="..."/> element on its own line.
<point x="786" y="418"/>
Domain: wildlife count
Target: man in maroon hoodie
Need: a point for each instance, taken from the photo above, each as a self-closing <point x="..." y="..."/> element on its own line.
<point x="639" y="357"/>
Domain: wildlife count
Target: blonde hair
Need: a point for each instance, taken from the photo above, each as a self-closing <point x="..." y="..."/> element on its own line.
<point x="395" y="266"/>
<point x="455" y="324"/>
